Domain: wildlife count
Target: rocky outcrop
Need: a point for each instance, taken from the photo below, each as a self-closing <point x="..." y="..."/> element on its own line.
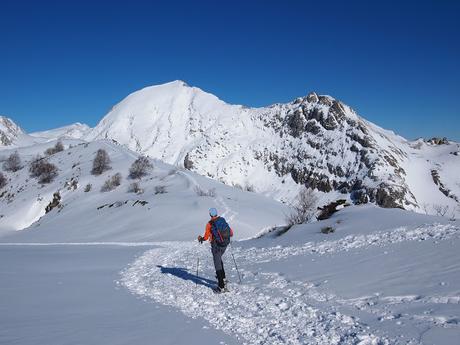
<point x="54" y="203"/>
<point x="441" y="187"/>
<point x="438" y="141"/>
<point x="188" y="163"/>
<point x="328" y="210"/>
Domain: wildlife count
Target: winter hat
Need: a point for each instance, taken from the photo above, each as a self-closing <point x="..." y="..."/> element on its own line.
<point x="213" y="212"/>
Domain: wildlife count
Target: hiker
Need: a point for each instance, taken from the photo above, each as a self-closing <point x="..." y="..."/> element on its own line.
<point x="218" y="232"/>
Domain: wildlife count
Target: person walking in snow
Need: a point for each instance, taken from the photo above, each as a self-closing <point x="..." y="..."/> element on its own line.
<point x="218" y="232"/>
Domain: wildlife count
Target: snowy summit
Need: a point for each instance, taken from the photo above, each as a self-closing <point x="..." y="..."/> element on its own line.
<point x="314" y="140"/>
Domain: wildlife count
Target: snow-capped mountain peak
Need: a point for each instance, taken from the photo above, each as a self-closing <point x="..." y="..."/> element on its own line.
<point x="315" y="140"/>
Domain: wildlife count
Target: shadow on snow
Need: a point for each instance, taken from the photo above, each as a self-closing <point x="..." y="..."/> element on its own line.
<point x="182" y="273"/>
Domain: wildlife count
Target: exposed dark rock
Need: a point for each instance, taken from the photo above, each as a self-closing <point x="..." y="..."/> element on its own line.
<point x="312" y="97"/>
<point x="311" y="179"/>
<point x="324" y="100"/>
<point x="338" y="110"/>
<point x="4" y="140"/>
<point x="391" y="160"/>
<point x="354" y="148"/>
<point x="360" y="197"/>
<point x="363" y="128"/>
<point x="356" y="185"/>
<point x="364" y="158"/>
<point x="188" y="164"/>
<point x="438" y="141"/>
<point x="315" y="145"/>
<point x="316" y="114"/>
<point x="328" y="210"/>
<point x="54" y="203"/>
<point x="365" y="141"/>
<point x="296" y="123"/>
<point x="329" y="123"/>
<point x="343" y="187"/>
<point x="389" y="196"/>
<point x="443" y="189"/>
<point x="312" y="127"/>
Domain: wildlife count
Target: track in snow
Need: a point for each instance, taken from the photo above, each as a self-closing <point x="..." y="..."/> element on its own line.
<point x="266" y="308"/>
<point x="276" y="312"/>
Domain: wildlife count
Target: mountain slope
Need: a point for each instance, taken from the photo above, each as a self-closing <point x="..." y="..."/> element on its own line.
<point x="316" y="141"/>
<point x="11" y="135"/>
<point x="73" y="131"/>
<point x="170" y="206"/>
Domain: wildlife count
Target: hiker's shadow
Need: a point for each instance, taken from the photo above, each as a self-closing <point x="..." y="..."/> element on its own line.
<point x="182" y="273"/>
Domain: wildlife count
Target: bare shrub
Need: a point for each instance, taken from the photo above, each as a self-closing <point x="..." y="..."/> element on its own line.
<point x="440" y="210"/>
<point x="101" y="162"/>
<point x="249" y="188"/>
<point x="205" y="192"/>
<point x="49" y="172"/>
<point x="135" y="188"/>
<point x="55" y="149"/>
<point x="160" y="189"/>
<point x="43" y="170"/>
<point x="3" y="180"/>
<point x="111" y="183"/>
<point x="425" y="207"/>
<point x="237" y="185"/>
<point x="13" y="163"/>
<point x="327" y="230"/>
<point x="35" y="166"/>
<point x="304" y="207"/>
<point x="140" y="167"/>
<point x="88" y="188"/>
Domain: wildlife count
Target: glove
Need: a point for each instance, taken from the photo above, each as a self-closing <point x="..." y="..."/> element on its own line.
<point x="200" y="239"/>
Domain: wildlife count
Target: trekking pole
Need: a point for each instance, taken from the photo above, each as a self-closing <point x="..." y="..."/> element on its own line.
<point x="197" y="265"/>
<point x="236" y="266"/>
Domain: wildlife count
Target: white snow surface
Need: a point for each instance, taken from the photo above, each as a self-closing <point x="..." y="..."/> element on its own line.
<point x="73" y="131"/>
<point x="367" y="283"/>
<point x="275" y="149"/>
<point x="119" y="215"/>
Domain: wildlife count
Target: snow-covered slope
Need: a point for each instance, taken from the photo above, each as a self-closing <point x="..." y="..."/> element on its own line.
<point x="11" y="135"/>
<point x="382" y="277"/>
<point x="9" y="131"/>
<point x="169" y="208"/>
<point x="315" y="141"/>
<point x="74" y="131"/>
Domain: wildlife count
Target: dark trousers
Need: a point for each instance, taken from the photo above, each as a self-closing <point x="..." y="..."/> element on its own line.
<point x="217" y="252"/>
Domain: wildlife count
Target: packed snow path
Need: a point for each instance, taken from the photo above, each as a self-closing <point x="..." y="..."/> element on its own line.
<point x="266" y="308"/>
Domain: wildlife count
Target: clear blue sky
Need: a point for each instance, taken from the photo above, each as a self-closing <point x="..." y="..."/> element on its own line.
<point x="397" y="63"/>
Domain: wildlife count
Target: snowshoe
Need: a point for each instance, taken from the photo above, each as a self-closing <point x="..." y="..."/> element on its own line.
<point x="220" y="290"/>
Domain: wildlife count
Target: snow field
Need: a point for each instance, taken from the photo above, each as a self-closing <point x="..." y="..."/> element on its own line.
<point x="277" y="312"/>
<point x="277" y="304"/>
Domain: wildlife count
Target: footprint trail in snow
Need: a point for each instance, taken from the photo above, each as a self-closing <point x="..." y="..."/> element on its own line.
<point x="266" y="308"/>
